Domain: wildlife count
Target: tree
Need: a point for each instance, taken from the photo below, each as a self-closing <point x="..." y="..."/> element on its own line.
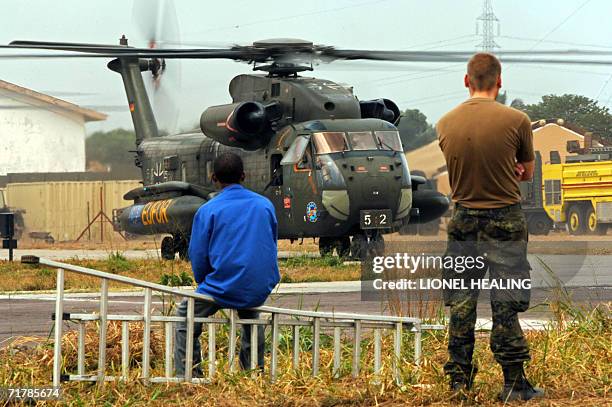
<point x="112" y="150"/>
<point x="576" y="109"/>
<point x="414" y="129"/>
<point x="518" y="104"/>
<point x="502" y="97"/>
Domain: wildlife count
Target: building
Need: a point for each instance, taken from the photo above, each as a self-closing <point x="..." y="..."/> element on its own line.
<point x="553" y="135"/>
<point x="40" y="133"/>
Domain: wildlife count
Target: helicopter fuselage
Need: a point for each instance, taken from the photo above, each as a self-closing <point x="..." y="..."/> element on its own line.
<point x="316" y="193"/>
<point x="333" y="166"/>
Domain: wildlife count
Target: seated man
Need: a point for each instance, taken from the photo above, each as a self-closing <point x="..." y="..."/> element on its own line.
<point x="233" y="255"/>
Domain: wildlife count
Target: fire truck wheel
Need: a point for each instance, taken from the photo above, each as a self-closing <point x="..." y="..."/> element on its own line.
<point x="576" y="222"/>
<point x="539" y="224"/>
<point x="593" y="226"/>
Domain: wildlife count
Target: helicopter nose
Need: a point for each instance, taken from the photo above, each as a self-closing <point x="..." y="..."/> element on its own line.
<point x="374" y="188"/>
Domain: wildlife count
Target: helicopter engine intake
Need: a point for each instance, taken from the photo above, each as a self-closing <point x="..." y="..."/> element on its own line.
<point x="383" y="109"/>
<point x="245" y="125"/>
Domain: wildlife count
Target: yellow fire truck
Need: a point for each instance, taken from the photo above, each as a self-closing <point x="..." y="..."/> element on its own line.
<point x="578" y="193"/>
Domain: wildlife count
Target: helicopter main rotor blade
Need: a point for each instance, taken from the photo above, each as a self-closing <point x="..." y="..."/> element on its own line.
<point x="285" y="53"/>
<point x="333" y="53"/>
<point x="280" y="50"/>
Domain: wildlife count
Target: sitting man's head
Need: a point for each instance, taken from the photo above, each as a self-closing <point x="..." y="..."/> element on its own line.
<point x="228" y="169"/>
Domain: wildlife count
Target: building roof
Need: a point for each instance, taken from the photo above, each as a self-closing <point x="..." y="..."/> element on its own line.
<point x="88" y="114"/>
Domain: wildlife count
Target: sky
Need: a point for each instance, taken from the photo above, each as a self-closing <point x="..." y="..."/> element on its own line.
<point x="360" y="24"/>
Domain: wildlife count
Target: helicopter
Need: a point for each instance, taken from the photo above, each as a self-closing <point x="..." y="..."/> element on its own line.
<point x="333" y="165"/>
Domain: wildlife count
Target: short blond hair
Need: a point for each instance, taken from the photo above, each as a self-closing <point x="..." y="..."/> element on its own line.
<point x="483" y="69"/>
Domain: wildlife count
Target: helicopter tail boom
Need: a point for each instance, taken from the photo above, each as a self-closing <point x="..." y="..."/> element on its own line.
<point x="143" y="118"/>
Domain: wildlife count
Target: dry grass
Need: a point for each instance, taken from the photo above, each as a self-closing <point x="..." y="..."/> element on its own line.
<point x="572" y="364"/>
<point x="20" y="277"/>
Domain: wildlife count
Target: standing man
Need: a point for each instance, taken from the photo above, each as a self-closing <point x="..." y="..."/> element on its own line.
<point x="233" y="254"/>
<point x="488" y="149"/>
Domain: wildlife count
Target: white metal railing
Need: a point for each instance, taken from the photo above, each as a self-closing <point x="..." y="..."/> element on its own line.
<point x="313" y="319"/>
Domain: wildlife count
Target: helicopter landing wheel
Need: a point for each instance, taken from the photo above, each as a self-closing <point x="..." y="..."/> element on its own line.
<point x="326" y="246"/>
<point x="359" y="246"/>
<point x="367" y="245"/>
<point x="376" y="246"/>
<point x="343" y="247"/>
<point x="181" y="245"/>
<point x="167" y="248"/>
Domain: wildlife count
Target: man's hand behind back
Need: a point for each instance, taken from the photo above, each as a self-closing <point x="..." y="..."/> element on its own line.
<point x="524" y="171"/>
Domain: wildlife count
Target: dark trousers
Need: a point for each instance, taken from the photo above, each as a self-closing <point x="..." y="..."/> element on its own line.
<point x="205" y="309"/>
<point x="500" y="236"/>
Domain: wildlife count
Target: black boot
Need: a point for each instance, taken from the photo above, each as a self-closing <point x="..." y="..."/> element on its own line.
<point x="516" y="385"/>
<point x="462" y="383"/>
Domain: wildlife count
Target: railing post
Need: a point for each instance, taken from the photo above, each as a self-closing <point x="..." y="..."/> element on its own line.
<point x="397" y="352"/>
<point x="232" y="341"/>
<point x="169" y="334"/>
<point x="377" y="345"/>
<point x="337" y="351"/>
<point x="81" y="350"/>
<point x="189" y="339"/>
<point x="417" y="343"/>
<point x="316" y="343"/>
<point x="296" y="347"/>
<point x="357" y="348"/>
<point x="125" y="349"/>
<point x="146" y="337"/>
<point x="212" y="350"/>
<point x="59" y="311"/>
<point x="274" y="351"/>
<point x="103" y="330"/>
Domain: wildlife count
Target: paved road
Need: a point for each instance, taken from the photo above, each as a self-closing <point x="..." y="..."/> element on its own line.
<point x="588" y="279"/>
<point x="27" y="315"/>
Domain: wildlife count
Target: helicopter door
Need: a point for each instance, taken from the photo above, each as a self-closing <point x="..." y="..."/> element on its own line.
<point x="274" y="192"/>
<point x="299" y="185"/>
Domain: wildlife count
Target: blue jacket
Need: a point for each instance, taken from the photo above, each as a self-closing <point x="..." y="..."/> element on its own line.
<point x="233" y="248"/>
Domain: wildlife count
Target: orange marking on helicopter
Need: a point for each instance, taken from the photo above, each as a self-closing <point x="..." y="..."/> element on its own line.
<point x="227" y="123"/>
<point x="132" y="107"/>
<point x="155" y="212"/>
<point x="282" y="138"/>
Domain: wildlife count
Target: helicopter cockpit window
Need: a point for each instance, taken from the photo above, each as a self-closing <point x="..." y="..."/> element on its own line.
<point x="296" y="151"/>
<point x="362" y="140"/>
<point x="388" y="140"/>
<point x="330" y="142"/>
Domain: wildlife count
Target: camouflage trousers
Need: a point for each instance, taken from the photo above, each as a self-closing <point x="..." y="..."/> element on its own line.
<point x="500" y="237"/>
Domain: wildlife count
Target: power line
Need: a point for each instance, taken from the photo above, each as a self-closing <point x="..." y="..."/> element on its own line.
<point x="433" y="98"/>
<point x="565" y="20"/>
<point x="294" y="16"/>
<point x="555" y="68"/>
<point x="578" y="44"/>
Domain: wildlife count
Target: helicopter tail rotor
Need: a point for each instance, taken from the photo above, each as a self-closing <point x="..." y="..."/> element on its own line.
<point x="158" y="23"/>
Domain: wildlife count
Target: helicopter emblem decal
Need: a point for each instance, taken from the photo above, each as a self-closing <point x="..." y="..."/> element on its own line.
<point x="158" y="173"/>
<point x="312" y="212"/>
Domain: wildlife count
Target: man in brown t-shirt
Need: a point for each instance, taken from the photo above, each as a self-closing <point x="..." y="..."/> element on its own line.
<point x="488" y="149"/>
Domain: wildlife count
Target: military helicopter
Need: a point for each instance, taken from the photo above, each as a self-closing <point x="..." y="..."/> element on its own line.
<point x="332" y="165"/>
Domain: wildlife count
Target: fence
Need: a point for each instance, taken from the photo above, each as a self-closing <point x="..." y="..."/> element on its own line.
<point x="279" y="317"/>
